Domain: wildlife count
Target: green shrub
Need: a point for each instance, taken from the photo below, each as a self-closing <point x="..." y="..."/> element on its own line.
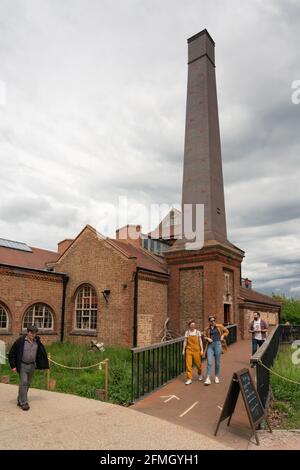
<point x="290" y="309"/>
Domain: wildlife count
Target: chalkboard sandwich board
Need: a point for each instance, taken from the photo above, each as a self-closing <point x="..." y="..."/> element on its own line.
<point x="242" y="382"/>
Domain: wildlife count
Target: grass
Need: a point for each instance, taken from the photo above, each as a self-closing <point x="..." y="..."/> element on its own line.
<point x="286" y="403"/>
<point x="84" y="382"/>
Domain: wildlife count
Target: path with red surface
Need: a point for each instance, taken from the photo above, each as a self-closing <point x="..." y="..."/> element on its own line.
<point x="198" y="407"/>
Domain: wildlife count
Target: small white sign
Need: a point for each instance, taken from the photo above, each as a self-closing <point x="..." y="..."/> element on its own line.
<point x="296" y="354"/>
<point x="296" y="94"/>
<point x="2" y="353"/>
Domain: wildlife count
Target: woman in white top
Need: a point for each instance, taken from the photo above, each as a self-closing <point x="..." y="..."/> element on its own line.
<point x="193" y="350"/>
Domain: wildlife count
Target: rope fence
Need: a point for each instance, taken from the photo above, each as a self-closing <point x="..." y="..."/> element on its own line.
<point x="74" y="367"/>
<point x="276" y="373"/>
<point x="100" y="364"/>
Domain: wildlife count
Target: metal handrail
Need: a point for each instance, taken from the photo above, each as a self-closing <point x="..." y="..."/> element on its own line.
<point x="265" y="356"/>
<point x="261" y="351"/>
<point x="156" y="364"/>
<point x="156" y="345"/>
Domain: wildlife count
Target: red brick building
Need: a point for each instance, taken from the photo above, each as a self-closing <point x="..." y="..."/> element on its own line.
<point x="127" y="291"/>
<point x="93" y="287"/>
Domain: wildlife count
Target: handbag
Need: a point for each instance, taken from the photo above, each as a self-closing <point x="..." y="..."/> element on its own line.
<point x="204" y="355"/>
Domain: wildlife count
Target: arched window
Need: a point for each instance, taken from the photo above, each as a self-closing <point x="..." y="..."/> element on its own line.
<point x="86" y="308"/>
<point x="40" y="315"/>
<point x="3" y="318"/>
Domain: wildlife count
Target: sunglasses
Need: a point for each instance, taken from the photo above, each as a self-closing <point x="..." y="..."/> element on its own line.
<point x="212" y="320"/>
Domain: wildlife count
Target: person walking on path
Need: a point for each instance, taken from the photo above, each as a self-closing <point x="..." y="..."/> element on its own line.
<point x="215" y="334"/>
<point x="27" y="354"/>
<point x="258" y="328"/>
<point x="193" y="350"/>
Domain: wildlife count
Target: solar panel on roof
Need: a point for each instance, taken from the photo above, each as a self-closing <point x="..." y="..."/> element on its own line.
<point x="14" y="245"/>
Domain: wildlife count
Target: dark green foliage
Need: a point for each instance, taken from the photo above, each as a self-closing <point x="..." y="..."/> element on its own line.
<point x="290" y="309"/>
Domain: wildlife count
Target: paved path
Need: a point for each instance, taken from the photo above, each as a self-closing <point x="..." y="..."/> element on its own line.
<point x="278" y="440"/>
<point x="61" y="421"/>
<point x="199" y="406"/>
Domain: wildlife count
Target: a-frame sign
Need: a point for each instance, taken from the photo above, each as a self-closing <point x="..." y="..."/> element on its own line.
<point x="242" y="382"/>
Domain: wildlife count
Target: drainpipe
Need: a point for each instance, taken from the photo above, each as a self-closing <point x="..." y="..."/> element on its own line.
<point x="63" y="307"/>
<point x="135" y="308"/>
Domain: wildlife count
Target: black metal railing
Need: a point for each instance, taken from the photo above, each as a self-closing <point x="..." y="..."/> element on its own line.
<point x="289" y="333"/>
<point x="232" y="337"/>
<point x="157" y="364"/>
<point x="154" y="365"/>
<point x="266" y="355"/>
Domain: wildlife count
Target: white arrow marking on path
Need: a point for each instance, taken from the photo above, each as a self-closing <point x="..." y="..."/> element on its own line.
<point x="169" y="397"/>
<point x="189" y="409"/>
<point x="220" y="407"/>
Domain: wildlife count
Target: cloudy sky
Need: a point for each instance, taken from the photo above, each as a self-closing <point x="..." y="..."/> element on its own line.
<point x="92" y="108"/>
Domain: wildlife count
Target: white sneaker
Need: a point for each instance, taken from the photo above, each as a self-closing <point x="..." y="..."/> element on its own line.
<point x="188" y="382"/>
<point x="217" y="380"/>
<point x="200" y="377"/>
<point x="207" y="381"/>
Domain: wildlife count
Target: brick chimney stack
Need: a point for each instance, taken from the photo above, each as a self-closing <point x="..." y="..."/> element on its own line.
<point x="63" y="245"/>
<point x="202" y="173"/>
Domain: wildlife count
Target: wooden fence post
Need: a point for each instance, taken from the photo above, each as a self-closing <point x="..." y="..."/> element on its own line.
<point x="106" y="378"/>
<point x="48" y="372"/>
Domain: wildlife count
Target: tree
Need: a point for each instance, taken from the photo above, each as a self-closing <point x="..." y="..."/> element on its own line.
<point x="290" y="309"/>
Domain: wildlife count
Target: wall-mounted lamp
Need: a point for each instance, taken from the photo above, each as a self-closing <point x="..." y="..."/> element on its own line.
<point x="105" y="293"/>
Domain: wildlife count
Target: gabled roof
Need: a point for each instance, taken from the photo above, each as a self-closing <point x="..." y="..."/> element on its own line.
<point x="250" y="295"/>
<point x="144" y="259"/>
<point x="36" y="258"/>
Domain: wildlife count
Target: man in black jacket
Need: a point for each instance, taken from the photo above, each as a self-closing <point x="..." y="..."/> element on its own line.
<point x="27" y="354"/>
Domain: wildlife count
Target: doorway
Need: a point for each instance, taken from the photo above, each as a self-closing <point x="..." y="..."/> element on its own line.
<point x="227" y="314"/>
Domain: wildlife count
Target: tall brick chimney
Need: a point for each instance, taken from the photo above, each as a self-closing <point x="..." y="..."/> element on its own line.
<point x="199" y="276"/>
<point x="63" y="245"/>
<point x="202" y="172"/>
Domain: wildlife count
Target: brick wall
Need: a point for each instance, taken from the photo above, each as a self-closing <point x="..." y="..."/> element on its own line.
<point x="145" y="328"/>
<point x="191" y="297"/>
<point x="20" y="289"/>
<point x="92" y="260"/>
<point x="152" y="309"/>
<point x="213" y="262"/>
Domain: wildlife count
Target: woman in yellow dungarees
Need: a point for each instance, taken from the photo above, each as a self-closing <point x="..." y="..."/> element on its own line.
<point x="193" y="350"/>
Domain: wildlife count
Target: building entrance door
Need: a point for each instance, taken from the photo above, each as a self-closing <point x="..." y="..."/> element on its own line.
<point x="227" y="312"/>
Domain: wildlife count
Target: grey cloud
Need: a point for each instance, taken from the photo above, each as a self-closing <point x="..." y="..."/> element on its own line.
<point x="19" y="209"/>
<point x="96" y="104"/>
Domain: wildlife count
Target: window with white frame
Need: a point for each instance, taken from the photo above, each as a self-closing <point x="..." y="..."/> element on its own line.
<point x="40" y="315"/>
<point x="86" y="305"/>
<point x="3" y="318"/>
